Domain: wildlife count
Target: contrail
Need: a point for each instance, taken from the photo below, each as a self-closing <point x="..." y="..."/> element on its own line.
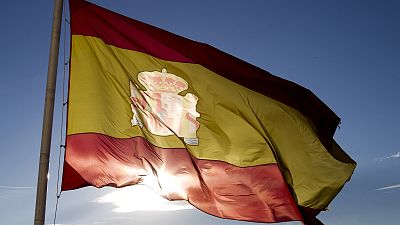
<point x="396" y="155"/>
<point x="15" y="187"/>
<point x="389" y="187"/>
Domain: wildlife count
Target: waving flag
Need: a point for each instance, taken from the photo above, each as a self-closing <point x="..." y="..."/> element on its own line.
<point x="148" y="106"/>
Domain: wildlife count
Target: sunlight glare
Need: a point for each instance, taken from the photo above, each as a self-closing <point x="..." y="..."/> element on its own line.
<point x="140" y="198"/>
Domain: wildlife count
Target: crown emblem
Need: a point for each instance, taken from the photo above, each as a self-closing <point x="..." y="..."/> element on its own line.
<point x="162" y="82"/>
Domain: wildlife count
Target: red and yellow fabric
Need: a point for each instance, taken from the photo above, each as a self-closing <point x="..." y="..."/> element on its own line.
<point x="265" y="145"/>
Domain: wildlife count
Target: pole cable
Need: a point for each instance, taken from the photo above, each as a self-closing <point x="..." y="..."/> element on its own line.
<point x="63" y="106"/>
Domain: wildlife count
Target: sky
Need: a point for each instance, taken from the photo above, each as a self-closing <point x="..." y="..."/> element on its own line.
<point x="346" y="52"/>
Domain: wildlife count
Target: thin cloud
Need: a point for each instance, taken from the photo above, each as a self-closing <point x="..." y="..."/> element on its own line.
<point x="93" y="223"/>
<point x="394" y="156"/>
<point x="389" y="187"/>
<point x="14" y="192"/>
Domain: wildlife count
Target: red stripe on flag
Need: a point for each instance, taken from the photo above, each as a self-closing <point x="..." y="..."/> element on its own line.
<point x="74" y="180"/>
<point x="257" y="193"/>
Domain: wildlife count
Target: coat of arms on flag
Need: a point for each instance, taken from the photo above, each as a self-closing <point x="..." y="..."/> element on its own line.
<point x="161" y="109"/>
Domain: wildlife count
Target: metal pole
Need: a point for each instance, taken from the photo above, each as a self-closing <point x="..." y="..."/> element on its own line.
<point x="41" y="191"/>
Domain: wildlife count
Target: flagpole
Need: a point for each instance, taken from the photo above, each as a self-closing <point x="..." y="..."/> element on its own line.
<point x="41" y="191"/>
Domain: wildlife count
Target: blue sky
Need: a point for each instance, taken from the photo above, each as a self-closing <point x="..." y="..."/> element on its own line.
<point x="346" y="52"/>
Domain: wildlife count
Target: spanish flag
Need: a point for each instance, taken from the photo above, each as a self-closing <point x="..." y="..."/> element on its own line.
<point x="148" y="106"/>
